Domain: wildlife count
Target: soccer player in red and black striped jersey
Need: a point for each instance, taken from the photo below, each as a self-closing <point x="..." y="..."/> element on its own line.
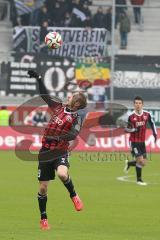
<point x="137" y="123"/>
<point x="64" y="126"/>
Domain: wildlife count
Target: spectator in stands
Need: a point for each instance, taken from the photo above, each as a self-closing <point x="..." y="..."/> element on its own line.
<point x="89" y="2"/>
<point x="3" y="10"/>
<point x="78" y="17"/>
<point x="70" y="5"/>
<point x="4" y="116"/>
<point x="64" y="5"/>
<point x="98" y="18"/>
<point x="13" y="13"/>
<point x="34" y="16"/>
<point x="125" y="27"/>
<point x="25" y="19"/>
<point x="119" y="10"/>
<point x="50" y="4"/>
<point x="108" y="19"/>
<point x="61" y="7"/>
<point x="18" y="20"/>
<point x="44" y="15"/>
<point x="39" y="119"/>
<point x="43" y="33"/>
<point x="137" y="10"/>
<point x="88" y="21"/>
<point x="67" y="20"/>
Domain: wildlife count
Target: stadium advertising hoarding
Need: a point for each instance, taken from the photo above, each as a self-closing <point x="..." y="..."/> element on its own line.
<point x="58" y="73"/>
<point x="28" y="111"/>
<point x="18" y="81"/>
<point x="60" y="76"/>
<point x="96" y="73"/>
<point x="10" y="139"/>
<point x="77" y="42"/>
<point x="137" y="75"/>
<point x="133" y="76"/>
<point x="131" y="83"/>
<point x="54" y="73"/>
<point x="128" y="84"/>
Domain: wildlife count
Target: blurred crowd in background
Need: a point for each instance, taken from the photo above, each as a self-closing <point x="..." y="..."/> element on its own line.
<point x="61" y="13"/>
<point x="70" y="13"/>
<point x="74" y="13"/>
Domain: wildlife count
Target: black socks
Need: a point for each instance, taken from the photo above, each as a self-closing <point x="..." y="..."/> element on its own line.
<point x="42" y="199"/>
<point x="139" y="172"/>
<point x="131" y="163"/>
<point x="70" y="187"/>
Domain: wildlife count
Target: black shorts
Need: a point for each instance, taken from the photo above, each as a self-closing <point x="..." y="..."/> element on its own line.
<point x="138" y="149"/>
<point x="49" y="162"/>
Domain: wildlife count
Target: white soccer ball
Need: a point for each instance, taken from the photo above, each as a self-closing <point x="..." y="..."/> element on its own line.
<point x="53" y="40"/>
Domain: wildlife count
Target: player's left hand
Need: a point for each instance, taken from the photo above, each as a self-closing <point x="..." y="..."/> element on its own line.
<point x="33" y="74"/>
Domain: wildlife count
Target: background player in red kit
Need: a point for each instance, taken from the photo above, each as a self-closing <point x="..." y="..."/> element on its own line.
<point x="137" y="123"/>
<point x="64" y="126"/>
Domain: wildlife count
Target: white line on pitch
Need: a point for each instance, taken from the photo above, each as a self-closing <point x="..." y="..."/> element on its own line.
<point x="126" y="179"/>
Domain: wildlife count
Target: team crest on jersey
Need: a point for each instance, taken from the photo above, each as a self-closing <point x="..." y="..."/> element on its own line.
<point x="145" y="117"/>
<point x="74" y="114"/>
<point x="69" y="118"/>
<point x="135" y="119"/>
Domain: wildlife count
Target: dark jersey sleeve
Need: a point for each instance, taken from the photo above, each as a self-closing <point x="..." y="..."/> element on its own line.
<point x="152" y="125"/>
<point x="74" y="131"/>
<point x="51" y="101"/>
<point x="130" y="128"/>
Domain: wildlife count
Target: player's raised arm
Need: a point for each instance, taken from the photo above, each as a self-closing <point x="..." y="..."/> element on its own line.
<point x="153" y="126"/>
<point x="51" y="101"/>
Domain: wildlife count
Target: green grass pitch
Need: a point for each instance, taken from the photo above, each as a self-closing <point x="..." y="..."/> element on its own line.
<point x="114" y="210"/>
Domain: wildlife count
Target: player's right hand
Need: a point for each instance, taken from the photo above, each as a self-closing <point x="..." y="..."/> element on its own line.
<point x="33" y="74"/>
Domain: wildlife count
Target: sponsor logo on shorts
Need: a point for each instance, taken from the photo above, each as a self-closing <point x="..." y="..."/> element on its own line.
<point x="135" y="150"/>
<point x="63" y="160"/>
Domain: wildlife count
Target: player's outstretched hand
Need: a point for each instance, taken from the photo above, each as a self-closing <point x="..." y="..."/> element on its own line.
<point x="33" y="74"/>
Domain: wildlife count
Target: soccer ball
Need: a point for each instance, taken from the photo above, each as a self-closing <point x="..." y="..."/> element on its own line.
<point x="53" y="40"/>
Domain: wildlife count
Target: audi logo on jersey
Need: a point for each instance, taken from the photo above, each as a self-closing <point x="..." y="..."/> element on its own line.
<point x="138" y="124"/>
<point x="58" y="120"/>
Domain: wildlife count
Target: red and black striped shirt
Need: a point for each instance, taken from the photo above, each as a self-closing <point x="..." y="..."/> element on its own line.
<point x="63" y="127"/>
<point x="64" y="124"/>
<point x="140" y="121"/>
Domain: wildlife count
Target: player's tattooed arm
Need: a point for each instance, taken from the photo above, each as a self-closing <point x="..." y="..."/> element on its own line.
<point x="51" y="101"/>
